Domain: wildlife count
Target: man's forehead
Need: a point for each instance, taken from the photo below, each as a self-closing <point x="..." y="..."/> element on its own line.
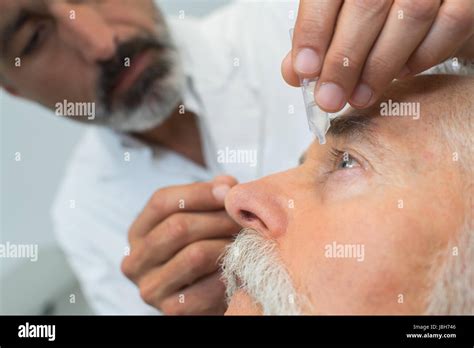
<point x="371" y="128"/>
<point x="400" y="112"/>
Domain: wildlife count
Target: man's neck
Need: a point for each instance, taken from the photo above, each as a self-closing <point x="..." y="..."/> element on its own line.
<point x="179" y="133"/>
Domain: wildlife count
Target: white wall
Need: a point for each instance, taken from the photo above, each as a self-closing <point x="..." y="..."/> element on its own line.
<point x="27" y="186"/>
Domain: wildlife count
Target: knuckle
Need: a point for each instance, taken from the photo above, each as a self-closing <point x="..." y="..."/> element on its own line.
<point x="176" y="227"/>
<point x="309" y="25"/>
<point x="171" y="306"/>
<point x="198" y="256"/>
<point x="152" y="244"/>
<point x="421" y="10"/>
<point x="372" y="6"/>
<point x="310" y="31"/>
<point x="158" y="199"/>
<point x="127" y="268"/>
<point x="379" y="65"/>
<point x="147" y="293"/>
<point x="340" y="59"/>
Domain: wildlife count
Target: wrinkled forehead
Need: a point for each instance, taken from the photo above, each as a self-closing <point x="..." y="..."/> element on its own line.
<point x="404" y="122"/>
<point x="387" y="121"/>
<point x="407" y="110"/>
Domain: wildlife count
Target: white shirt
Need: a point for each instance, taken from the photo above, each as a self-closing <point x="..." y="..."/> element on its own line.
<point x="232" y="62"/>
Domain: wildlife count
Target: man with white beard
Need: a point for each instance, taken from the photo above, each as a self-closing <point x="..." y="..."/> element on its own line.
<point x="173" y="99"/>
<point x="400" y="188"/>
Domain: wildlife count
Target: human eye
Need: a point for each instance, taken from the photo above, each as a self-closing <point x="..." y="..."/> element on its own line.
<point x="343" y="160"/>
<point x="36" y="39"/>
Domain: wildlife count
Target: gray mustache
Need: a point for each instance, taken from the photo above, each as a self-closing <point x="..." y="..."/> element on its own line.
<point x="252" y="264"/>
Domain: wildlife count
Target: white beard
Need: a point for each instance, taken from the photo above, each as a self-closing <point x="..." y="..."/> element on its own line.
<point x="251" y="264"/>
<point x="155" y="107"/>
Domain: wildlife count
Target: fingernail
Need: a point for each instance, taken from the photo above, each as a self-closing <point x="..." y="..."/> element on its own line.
<point x="330" y="97"/>
<point x="362" y="95"/>
<point x="220" y="191"/>
<point x="404" y="72"/>
<point x="307" y="61"/>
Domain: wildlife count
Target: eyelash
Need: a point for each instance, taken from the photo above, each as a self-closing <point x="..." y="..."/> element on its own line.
<point x="337" y="156"/>
<point x="35" y="40"/>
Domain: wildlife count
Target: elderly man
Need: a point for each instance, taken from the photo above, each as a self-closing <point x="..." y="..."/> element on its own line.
<point x="179" y="101"/>
<point x="377" y="221"/>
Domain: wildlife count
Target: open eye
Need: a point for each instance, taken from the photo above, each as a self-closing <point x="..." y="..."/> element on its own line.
<point x="344" y="160"/>
<point x="347" y="162"/>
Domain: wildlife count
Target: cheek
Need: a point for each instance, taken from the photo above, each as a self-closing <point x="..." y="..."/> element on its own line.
<point x="360" y="255"/>
<point x="242" y="304"/>
<point x="53" y="69"/>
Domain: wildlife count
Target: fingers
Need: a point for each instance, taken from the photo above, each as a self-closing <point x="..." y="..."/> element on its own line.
<point x="205" y="297"/>
<point x="347" y="53"/>
<point x="410" y="37"/>
<point x="174" y="234"/>
<point x="313" y="32"/>
<point x="190" y="264"/>
<point x="407" y="24"/>
<point x="453" y="25"/>
<point x="288" y="72"/>
<point x="173" y="199"/>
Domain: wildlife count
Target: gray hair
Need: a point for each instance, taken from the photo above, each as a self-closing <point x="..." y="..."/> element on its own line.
<point x="251" y="263"/>
<point x="453" y="271"/>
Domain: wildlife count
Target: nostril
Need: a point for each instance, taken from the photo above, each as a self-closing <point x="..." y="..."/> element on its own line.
<point x="247" y="215"/>
<point x="252" y="220"/>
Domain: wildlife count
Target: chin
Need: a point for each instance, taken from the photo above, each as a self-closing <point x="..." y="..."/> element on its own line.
<point x="242" y="304"/>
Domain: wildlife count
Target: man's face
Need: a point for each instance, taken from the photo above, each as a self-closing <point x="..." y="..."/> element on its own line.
<point x="359" y="223"/>
<point x="115" y="53"/>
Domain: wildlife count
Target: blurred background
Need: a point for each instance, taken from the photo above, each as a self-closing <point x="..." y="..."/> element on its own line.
<point x="27" y="189"/>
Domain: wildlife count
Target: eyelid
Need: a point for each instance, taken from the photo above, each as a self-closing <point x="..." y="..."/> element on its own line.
<point x="339" y="155"/>
<point x="347" y="157"/>
<point x="40" y="28"/>
<point x="355" y="155"/>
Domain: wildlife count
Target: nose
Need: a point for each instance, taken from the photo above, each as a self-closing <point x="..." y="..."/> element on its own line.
<point x="85" y="29"/>
<point x="260" y="205"/>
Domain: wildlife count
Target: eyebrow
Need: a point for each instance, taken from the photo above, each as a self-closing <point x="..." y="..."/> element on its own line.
<point x="13" y="27"/>
<point x="354" y="127"/>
